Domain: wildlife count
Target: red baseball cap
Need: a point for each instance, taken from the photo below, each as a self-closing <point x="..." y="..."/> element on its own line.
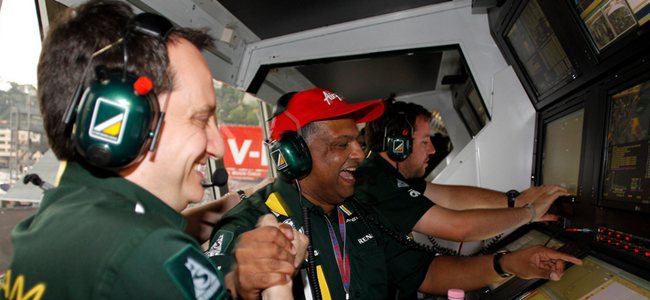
<point x="320" y="104"/>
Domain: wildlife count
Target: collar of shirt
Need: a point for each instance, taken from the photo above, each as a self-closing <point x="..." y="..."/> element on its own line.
<point x="374" y="159"/>
<point x="77" y="174"/>
<point x="290" y="198"/>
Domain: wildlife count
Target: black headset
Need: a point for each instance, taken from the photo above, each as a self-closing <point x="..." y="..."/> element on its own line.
<point x="398" y="136"/>
<point x="117" y="116"/>
<point x="290" y="152"/>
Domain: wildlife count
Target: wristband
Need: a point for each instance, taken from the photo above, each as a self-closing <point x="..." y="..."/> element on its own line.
<point x="496" y="263"/>
<point x="242" y="195"/>
<point x="533" y="214"/>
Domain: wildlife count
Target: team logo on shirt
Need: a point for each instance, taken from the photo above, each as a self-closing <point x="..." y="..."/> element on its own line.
<point x="402" y="184"/>
<point x="108" y="121"/>
<point x="413" y="193"/>
<point x="194" y="275"/>
<point x="14" y="287"/>
<point x="365" y="238"/>
<point x="205" y="282"/>
<point x="221" y="243"/>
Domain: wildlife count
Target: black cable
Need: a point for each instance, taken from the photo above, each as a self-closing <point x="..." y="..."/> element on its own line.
<point x="487" y="248"/>
<point x="445" y="250"/>
<point x="312" y="276"/>
<point x="363" y="214"/>
<point x="552" y="236"/>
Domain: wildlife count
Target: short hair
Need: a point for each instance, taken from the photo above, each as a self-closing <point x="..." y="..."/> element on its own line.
<point x="375" y="130"/>
<point x="67" y="49"/>
<point x="307" y="132"/>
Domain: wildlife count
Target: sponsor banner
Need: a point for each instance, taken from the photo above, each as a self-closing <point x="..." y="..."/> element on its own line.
<point x="245" y="157"/>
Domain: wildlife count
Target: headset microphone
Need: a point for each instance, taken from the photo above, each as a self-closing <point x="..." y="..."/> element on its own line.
<point x="37" y="181"/>
<point x="218" y="178"/>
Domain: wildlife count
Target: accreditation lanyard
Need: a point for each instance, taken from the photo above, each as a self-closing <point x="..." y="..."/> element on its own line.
<point x="342" y="257"/>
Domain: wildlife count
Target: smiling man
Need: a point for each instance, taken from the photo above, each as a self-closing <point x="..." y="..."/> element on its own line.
<point x="317" y="153"/>
<point x="112" y="228"/>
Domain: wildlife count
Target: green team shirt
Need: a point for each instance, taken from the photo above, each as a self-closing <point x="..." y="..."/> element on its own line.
<point x="99" y="236"/>
<point x="380" y="185"/>
<point x="379" y="264"/>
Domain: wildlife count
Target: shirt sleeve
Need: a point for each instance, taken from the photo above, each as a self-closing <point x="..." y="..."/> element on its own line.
<point x="407" y="264"/>
<point x="400" y="203"/>
<point x="167" y="264"/>
<point x="241" y="218"/>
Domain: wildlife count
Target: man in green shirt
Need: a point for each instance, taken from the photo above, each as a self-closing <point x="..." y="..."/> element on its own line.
<point x="111" y="229"/>
<point x="391" y="180"/>
<point x="351" y="255"/>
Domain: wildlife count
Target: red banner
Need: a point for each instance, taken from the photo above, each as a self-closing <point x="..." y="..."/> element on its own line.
<point x="245" y="157"/>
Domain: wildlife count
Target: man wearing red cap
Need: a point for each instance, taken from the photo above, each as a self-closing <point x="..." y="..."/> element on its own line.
<point x="349" y="255"/>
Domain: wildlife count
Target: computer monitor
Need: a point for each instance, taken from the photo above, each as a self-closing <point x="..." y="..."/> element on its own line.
<point x="626" y="182"/>
<point x="562" y="149"/>
<point x="538" y="50"/>
<point x="595" y="279"/>
<point x="609" y="21"/>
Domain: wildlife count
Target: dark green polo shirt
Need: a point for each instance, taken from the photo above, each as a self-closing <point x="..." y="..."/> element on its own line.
<point x="378" y="264"/>
<point x="99" y="236"/>
<point x="380" y="185"/>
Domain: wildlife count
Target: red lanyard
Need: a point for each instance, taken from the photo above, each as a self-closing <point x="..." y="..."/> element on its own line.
<point x="342" y="257"/>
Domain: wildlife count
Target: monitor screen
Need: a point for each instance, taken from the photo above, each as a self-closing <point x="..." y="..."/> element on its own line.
<point x="538" y="49"/>
<point x="627" y="164"/>
<point x="561" y="151"/>
<point x="609" y="20"/>
<point x="594" y="280"/>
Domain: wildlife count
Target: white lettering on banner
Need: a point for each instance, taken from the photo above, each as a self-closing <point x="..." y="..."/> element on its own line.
<point x="239" y="154"/>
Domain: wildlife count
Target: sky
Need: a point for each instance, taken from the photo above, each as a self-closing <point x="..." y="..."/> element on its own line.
<point x="20" y="42"/>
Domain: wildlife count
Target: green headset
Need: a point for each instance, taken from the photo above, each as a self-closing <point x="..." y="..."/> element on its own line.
<point x="290" y="152"/>
<point x="398" y="136"/>
<point x="117" y="117"/>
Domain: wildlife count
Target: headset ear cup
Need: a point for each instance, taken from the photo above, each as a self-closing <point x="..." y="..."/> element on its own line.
<point x="114" y="124"/>
<point x="291" y="156"/>
<point x="398" y="147"/>
<point x="398" y="138"/>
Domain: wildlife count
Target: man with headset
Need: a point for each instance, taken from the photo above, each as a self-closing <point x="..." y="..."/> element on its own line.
<point x="111" y="229"/>
<point x="317" y="154"/>
<point x="391" y="180"/>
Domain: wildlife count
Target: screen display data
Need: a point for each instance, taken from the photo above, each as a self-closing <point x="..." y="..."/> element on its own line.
<point x="627" y="176"/>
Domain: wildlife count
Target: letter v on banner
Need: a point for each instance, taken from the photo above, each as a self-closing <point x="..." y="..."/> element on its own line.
<point x="245" y="156"/>
<point x="239" y="154"/>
